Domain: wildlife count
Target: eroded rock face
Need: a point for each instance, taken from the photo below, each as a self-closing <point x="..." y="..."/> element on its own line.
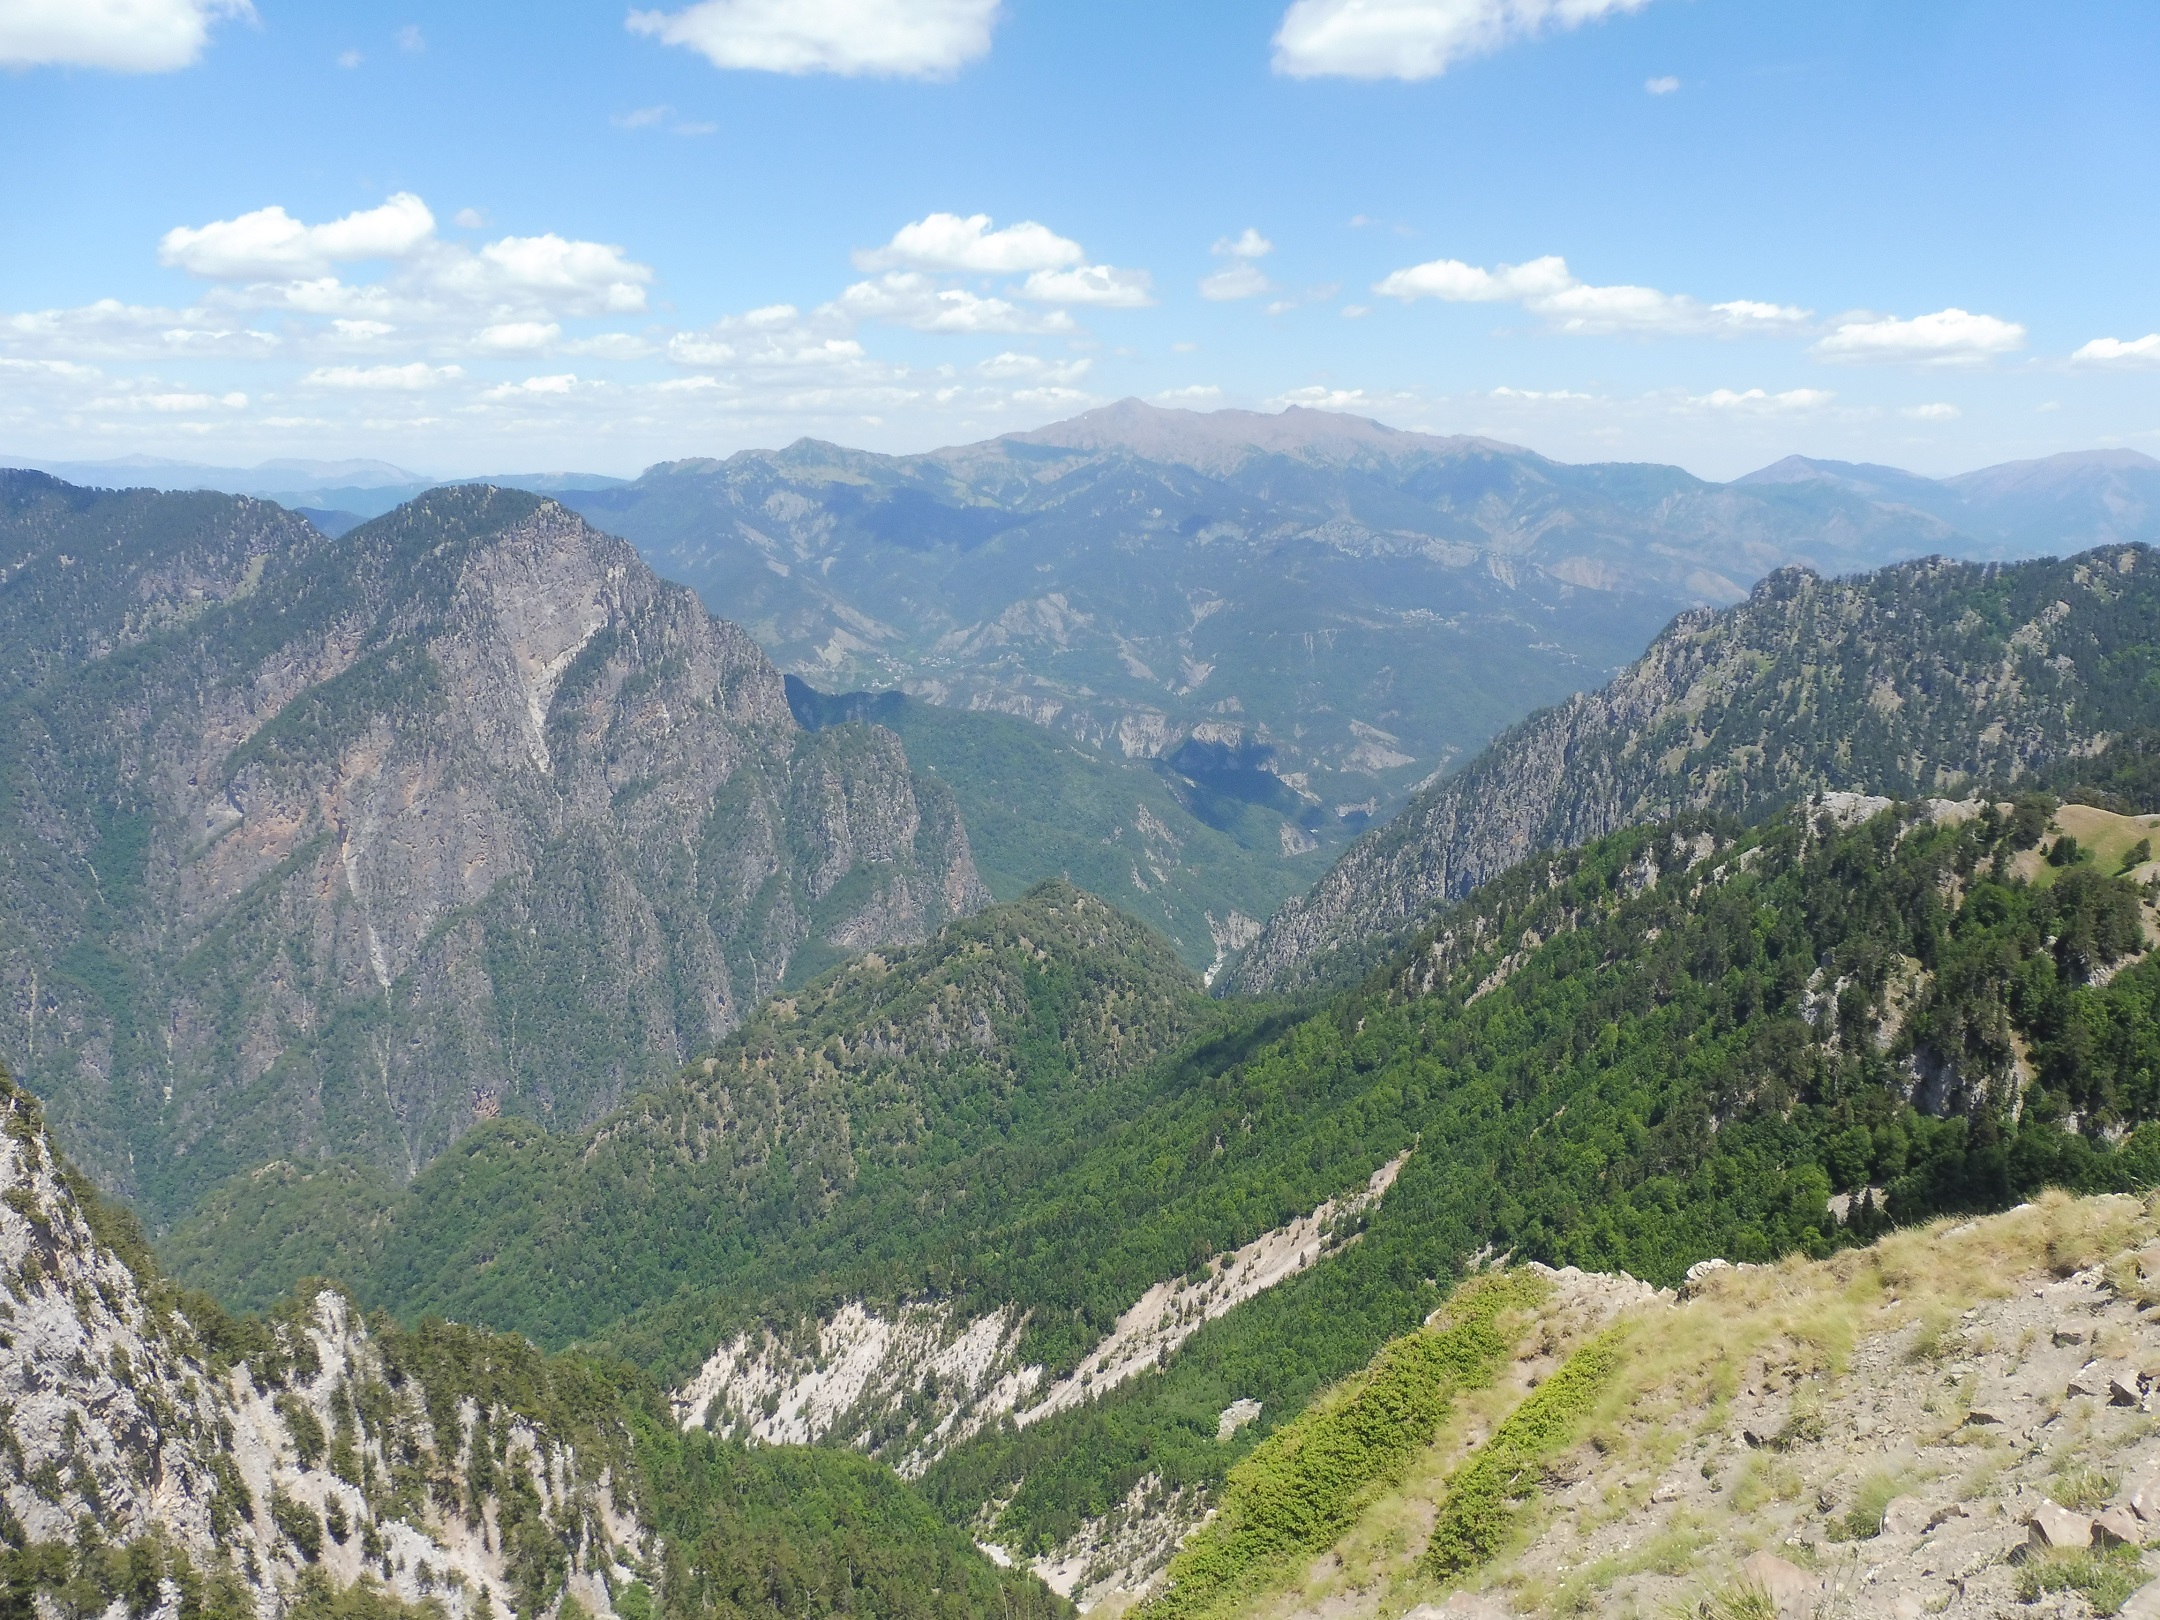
<point x="468" y="814"/>
<point x="315" y="1452"/>
<point x="1916" y="681"/>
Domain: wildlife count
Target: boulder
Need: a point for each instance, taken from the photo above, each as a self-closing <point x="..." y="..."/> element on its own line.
<point x="2116" y="1527"/>
<point x="2123" y="1390"/>
<point x="2143" y="1604"/>
<point x="2057" y="1529"/>
<point x="2144" y="1497"/>
<point x="2071" y="1333"/>
<point x="1786" y="1584"/>
<point x="1994" y="1413"/>
<point x="2091" y="1379"/>
<point x="1905" y="1516"/>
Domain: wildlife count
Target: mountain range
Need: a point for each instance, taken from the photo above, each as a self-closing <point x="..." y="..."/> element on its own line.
<point x="806" y="1095"/>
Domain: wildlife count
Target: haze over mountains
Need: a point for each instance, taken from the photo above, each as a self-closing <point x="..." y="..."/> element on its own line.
<point x="1306" y="612"/>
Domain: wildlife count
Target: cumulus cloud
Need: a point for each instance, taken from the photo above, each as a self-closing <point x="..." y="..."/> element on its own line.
<point x="1661" y="86"/>
<point x="1191" y="395"/>
<point x="2107" y="351"/>
<point x="270" y="242"/>
<point x="1547" y="288"/>
<point x="531" y="386"/>
<point x="1460" y="283"/>
<point x="909" y="298"/>
<point x="287" y="264"/>
<point x="406" y="378"/>
<point x="514" y="337"/>
<point x="1417" y="39"/>
<point x="1762" y="401"/>
<point x="951" y="242"/>
<point x="123" y="36"/>
<point x="1242" y="277"/>
<point x="588" y="272"/>
<point x="1947" y="337"/>
<point x="1939" y="411"/>
<point x="1103" y="285"/>
<point x="923" y="39"/>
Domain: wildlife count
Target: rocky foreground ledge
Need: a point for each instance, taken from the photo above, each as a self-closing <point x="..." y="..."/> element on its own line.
<point x="1963" y="1420"/>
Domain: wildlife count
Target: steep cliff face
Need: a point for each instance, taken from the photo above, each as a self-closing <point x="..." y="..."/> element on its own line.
<point x="468" y="814"/>
<point x="248" y="1461"/>
<point x="1911" y="681"/>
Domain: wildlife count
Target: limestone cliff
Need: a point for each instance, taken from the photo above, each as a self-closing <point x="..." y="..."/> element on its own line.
<point x="238" y="1461"/>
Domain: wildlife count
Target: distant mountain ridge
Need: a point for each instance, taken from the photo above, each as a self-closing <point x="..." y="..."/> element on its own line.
<point x="1926" y="678"/>
<point x="336" y="848"/>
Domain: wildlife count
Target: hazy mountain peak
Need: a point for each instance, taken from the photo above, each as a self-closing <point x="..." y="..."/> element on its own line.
<point x="2052" y="474"/>
<point x="1210" y="439"/>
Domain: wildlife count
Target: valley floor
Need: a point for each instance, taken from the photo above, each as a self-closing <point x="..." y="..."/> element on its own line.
<point x="1963" y="1420"/>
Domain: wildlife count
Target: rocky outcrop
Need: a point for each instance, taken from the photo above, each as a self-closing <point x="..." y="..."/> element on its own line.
<point x="1913" y="681"/>
<point x="272" y="1454"/>
<point x="913" y="1382"/>
<point x="469" y="814"/>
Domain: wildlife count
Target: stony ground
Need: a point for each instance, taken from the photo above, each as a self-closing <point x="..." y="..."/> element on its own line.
<point x="1963" y="1421"/>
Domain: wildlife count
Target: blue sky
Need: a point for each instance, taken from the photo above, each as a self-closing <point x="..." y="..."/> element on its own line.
<point x="552" y="235"/>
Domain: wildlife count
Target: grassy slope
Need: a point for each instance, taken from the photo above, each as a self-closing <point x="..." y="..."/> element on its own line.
<point x="1680" y="1383"/>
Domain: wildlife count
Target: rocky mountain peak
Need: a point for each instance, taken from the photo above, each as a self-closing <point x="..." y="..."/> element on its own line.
<point x="469" y="813"/>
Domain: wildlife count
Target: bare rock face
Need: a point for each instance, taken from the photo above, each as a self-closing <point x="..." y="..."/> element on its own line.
<point x="1916" y="681"/>
<point x="319" y="1455"/>
<point x="468" y="814"/>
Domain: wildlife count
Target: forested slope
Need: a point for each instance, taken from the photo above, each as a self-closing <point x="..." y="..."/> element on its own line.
<point x="163" y="1456"/>
<point x="1927" y="677"/>
<point x="1675" y="1043"/>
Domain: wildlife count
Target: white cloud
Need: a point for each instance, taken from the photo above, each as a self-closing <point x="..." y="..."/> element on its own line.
<point x="1937" y="412"/>
<point x="1663" y="86"/>
<point x="1761" y="401"/>
<point x="1546" y="287"/>
<point x="517" y="337"/>
<point x="643" y="117"/>
<point x="950" y="242"/>
<point x="1460" y="283"/>
<point x="1103" y="285"/>
<point x="1317" y="398"/>
<point x="1191" y="395"/>
<point x="1242" y="277"/>
<point x="2107" y="351"/>
<point x="904" y="38"/>
<point x="532" y="385"/>
<point x="270" y="242"/>
<point x="1416" y="39"/>
<point x="349" y="59"/>
<point x="1947" y="337"/>
<point x="469" y="219"/>
<point x="1241" y="280"/>
<point x="1033" y="368"/>
<point x="410" y="39"/>
<point x="907" y="298"/>
<point x="406" y="378"/>
<point x="125" y="36"/>
<point x="361" y="331"/>
<point x="588" y="271"/>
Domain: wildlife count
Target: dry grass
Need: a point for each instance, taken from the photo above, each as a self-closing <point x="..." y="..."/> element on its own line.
<point x="1790" y="1328"/>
